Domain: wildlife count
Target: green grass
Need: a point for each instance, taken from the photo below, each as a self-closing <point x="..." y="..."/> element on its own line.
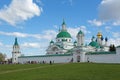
<point x="72" y="71"/>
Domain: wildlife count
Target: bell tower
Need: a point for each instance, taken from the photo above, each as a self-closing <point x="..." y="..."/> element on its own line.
<point x="16" y="52"/>
<point x="80" y="38"/>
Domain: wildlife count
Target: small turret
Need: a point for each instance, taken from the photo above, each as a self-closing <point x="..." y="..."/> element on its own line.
<point x="102" y="40"/>
<point x="51" y="42"/>
<point x="75" y="43"/>
<point x="93" y="38"/>
<point x="106" y="41"/>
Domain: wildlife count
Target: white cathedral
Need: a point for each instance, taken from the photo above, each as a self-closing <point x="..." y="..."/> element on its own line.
<point x="63" y="50"/>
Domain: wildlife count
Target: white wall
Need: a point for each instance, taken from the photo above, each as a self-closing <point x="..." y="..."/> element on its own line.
<point x="118" y="51"/>
<point x="56" y="59"/>
<point x="103" y="58"/>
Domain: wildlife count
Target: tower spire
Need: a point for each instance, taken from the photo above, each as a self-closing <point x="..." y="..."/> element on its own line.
<point x="16" y="42"/>
<point x="63" y="22"/>
<point x="64" y="25"/>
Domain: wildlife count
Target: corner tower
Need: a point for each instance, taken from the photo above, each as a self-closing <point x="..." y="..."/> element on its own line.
<point x="16" y="52"/>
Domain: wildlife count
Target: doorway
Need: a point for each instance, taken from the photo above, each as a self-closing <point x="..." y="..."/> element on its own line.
<point x="78" y="58"/>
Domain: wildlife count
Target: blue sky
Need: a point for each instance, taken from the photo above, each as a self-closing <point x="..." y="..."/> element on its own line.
<point x="36" y="22"/>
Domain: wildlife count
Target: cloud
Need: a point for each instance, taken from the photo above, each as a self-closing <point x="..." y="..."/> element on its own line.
<point x="95" y="22"/>
<point x="109" y="10"/>
<point x="48" y="34"/>
<point x="67" y="2"/>
<point x="30" y="45"/>
<point x="1" y="44"/>
<point x="107" y="28"/>
<point x="19" y="10"/>
<point x="17" y="34"/>
<point x="116" y="34"/>
<point x="116" y="41"/>
<point x="74" y="31"/>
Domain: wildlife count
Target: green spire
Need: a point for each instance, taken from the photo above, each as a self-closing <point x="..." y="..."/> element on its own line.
<point x="80" y="32"/>
<point x="16" y="43"/>
<point x="63" y="22"/>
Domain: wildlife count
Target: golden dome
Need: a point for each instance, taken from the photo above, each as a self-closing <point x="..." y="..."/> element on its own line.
<point x="99" y="35"/>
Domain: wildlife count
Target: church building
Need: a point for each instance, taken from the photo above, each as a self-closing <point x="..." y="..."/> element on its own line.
<point x="64" y="50"/>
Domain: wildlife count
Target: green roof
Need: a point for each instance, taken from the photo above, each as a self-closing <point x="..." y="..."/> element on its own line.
<point x="97" y="53"/>
<point x="80" y="32"/>
<point x="118" y="46"/>
<point x="51" y="41"/>
<point x="63" y="34"/>
<point x="16" y="43"/>
<point x="94" y="44"/>
<point x="46" y="55"/>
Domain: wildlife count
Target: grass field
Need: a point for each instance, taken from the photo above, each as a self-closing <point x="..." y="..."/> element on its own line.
<point x="71" y="71"/>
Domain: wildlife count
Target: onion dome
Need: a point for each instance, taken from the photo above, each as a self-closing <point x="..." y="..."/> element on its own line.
<point x="75" y="42"/>
<point x="93" y="38"/>
<point x="106" y="39"/>
<point x="102" y="38"/>
<point x="63" y="34"/>
<point x="99" y="35"/>
<point x="94" y="44"/>
<point x="51" y="41"/>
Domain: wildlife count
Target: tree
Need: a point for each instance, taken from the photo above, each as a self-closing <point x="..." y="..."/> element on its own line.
<point x="112" y="47"/>
<point x="2" y="57"/>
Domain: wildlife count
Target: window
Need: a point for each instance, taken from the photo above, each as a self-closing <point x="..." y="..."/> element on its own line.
<point x="69" y="40"/>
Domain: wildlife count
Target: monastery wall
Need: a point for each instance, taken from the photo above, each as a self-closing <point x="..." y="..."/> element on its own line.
<point x="103" y="58"/>
<point x="54" y="59"/>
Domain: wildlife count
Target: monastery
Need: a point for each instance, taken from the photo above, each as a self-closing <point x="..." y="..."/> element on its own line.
<point x="64" y="50"/>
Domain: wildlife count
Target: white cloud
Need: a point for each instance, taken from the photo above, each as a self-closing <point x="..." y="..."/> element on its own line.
<point x="109" y="10"/>
<point x="48" y="34"/>
<point x="116" y="34"/>
<point x="19" y="10"/>
<point x="17" y="34"/>
<point x="67" y="2"/>
<point x="30" y="45"/>
<point x="116" y="41"/>
<point x="1" y="44"/>
<point x="95" y="22"/>
<point x="107" y="28"/>
<point x="117" y="23"/>
<point x="74" y="31"/>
